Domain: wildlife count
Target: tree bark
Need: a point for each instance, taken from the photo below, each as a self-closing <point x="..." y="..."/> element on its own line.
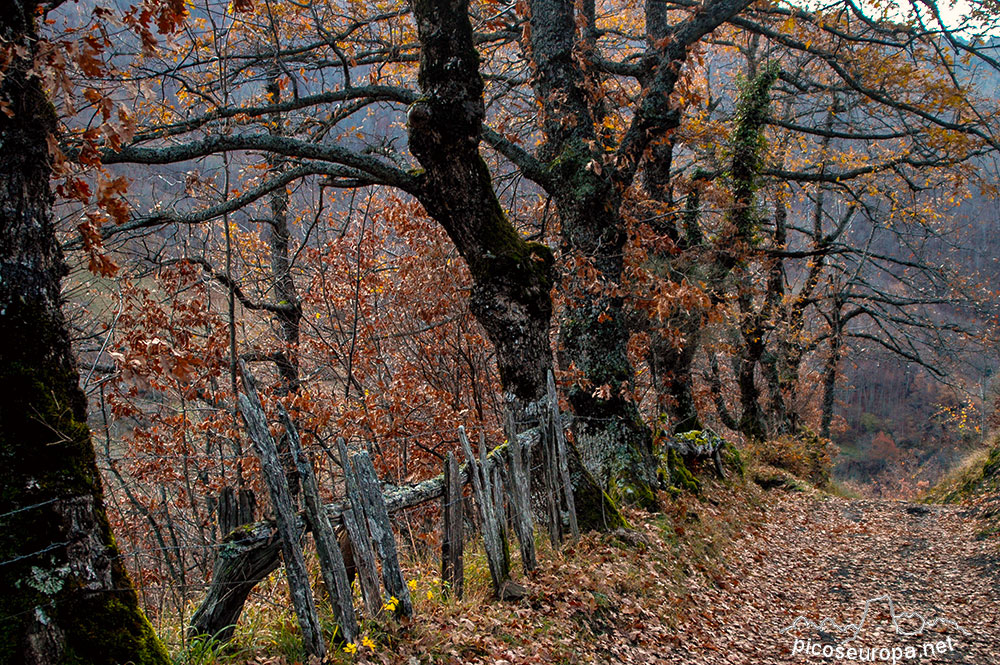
<point x="671" y="371"/>
<point x="587" y="188"/>
<point x="64" y="593"/>
<point x="830" y="368"/>
<point x="594" y="335"/>
<point x="753" y="110"/>
<point x="287" y="319"/>
<point x="512" y="278"/>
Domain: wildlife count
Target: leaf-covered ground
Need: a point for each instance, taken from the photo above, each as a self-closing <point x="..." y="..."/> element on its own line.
<point x="822" y="557"/>
<point x="717" y="581"/>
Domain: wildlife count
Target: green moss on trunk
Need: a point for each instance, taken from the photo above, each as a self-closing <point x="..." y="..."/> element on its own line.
<point x="64" y="594"/>
<point x="595" y="509"/>
<point x="45" y="444"/>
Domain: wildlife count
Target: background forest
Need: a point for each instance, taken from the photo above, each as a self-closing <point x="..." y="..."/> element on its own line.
<point x="769" y="222"/>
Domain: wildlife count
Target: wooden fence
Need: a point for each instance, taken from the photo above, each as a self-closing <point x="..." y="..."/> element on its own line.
<point x="506" y="483"/>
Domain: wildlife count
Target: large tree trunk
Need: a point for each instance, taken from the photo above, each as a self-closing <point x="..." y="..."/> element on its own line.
<point x="512" y="278"/>
<point x="587" y="188"/>
<point x="594" y="334"/>
<point x="753" y="109"/>
<point x="64" y="594"/>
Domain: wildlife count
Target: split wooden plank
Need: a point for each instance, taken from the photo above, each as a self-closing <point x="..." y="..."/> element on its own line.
<point x="331" y="559"/>
<point x="453" y="541"/>
<point x="274" y="475"/>
<point x="235" y="507"/>
<point x="552" y="496"/>
<point x="500" y="504"/>
<point x="381" y="530"/>
<point x="357" y="531"/>
<point x="484" y="500"/>
<point x="245" y="557"/>
<point x="500" y="511"/>
<point x="562" y="455"/>
<point x="494" y="493"/>
<point x="519" y="489"/>
<point x="497" y="493"/>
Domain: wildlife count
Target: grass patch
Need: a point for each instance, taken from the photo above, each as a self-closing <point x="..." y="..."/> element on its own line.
<point x="977" y="473"/>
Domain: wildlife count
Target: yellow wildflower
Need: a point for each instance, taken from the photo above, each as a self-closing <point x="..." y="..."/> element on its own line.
<point x="351" y="647"/>
<point x="368" y="642"/>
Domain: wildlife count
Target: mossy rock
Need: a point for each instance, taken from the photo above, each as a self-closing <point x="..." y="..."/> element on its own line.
<point x="680" y="475"/>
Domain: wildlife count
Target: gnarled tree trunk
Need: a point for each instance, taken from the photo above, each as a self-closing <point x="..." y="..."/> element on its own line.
<point x="64" y="593"/>
<point x="512" y="278"/>
<point x="589" y="176"/>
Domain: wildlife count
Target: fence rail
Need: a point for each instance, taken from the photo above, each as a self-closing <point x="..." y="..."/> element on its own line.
<point x="502" y="482"/>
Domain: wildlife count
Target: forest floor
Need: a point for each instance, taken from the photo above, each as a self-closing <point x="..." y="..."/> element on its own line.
<point x="822" y="557"/>
<point x="717" y="578"/>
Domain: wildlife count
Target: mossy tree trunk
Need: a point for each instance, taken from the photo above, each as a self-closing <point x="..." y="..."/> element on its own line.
<point x="594" y="333"/>
<point x="749" y="146"/>
<point x="64" y="595"/>
<point x="589" y="174"/>
<point x="512" y="278"/>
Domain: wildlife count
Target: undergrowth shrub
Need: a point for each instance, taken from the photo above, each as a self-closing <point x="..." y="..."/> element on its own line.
<point x="805" y="454"/>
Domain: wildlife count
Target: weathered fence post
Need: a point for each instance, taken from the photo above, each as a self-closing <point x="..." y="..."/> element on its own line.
<point x="552" y="498"/>
<point x="494" y="484"/>
<point x="249" y="555"/>
<point x="274" y="475"/>
<point x="331" y="560"/>
<point x="381" y="530"/>
<point x="502" y="505"/>
<point x="357" y="531"/>
<point x="453" y="542"/>
<point x="561" y="450"/>
<point x="519" y="489"/>
<point x="499" y="573"/>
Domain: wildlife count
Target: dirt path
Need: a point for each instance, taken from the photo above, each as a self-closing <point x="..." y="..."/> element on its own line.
<point x="827" y="558"/>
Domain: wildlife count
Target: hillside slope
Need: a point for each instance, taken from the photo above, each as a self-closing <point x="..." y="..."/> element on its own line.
<point x="975" y="484"/>
<point x="717" y="579"/>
